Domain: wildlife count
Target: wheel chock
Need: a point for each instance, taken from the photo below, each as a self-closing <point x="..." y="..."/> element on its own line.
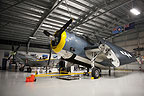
<point x="92" y="77"/>
<point x="30" y="79"/>
<point x="36" y="72"/>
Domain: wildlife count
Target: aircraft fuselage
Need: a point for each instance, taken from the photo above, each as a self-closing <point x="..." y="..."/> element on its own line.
<point x="73" y="48"/>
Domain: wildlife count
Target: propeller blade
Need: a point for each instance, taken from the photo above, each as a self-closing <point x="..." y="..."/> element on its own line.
<point x="17" y="48"/>
<point x="49" y="58"/>
<point x="64" y="27"/>
<point x="9" y="57"/>
<point x="47" y="33"/>
<point x="12" y="47"/>
<point x="13" y="59"/>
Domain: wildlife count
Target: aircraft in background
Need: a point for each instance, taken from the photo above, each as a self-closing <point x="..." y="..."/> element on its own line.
<point x="100" y="55"/>
<point x="27" y="60"/>
<point x="32" y="61"/>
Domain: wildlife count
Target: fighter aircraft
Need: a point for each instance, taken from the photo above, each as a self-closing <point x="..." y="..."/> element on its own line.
<point x="31" y="61"/>
<point x="102" y="54"/>
<point x="28" y="60"/>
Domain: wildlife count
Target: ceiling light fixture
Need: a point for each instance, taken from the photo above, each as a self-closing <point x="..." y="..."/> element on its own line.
<point x="32" y="37"/>
<point x="135" y="11"/>
<point x="79" y="33"/>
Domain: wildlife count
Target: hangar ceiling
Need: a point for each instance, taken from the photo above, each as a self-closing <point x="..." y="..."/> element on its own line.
<point x="22" y="19"/>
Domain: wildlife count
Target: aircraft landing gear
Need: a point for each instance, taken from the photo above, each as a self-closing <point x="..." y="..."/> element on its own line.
<point x="29" y="69"/>
<point x="109" y="71"/>
<point x="21" y="69"/>
<point x="86" y="73"/>
<point x="62" y="70"/>
<point x="96" y="72"/>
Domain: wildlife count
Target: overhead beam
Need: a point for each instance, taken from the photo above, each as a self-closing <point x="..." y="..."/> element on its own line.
<point x="12" y="6"/>
<point x="22" y="8"/>
<point x="81" y="4"/>
<point x="106" y="4"/>
<point x="45" y="15"/>
<point x="76" y="23"/>
<point x="72" y="13"/>
<point x="18" y="18"/>
<point x="85" y="18"/>
<point x="10" y="42"/>
<point x="118" y="6"/>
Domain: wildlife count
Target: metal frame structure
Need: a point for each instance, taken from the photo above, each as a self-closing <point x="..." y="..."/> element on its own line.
<point x="21" y="19"/>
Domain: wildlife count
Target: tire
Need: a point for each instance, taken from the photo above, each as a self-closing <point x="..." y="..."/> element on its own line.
<point x="62" y="69"/>
<point x="29" y="70"/>
<point x="21" y="69"/>
<point x="95" y="72"/>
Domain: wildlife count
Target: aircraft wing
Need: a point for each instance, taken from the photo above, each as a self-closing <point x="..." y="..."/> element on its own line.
<point x="32" y="61"/>
<point x="108" y="54"/>
<point x="25" y="56"/>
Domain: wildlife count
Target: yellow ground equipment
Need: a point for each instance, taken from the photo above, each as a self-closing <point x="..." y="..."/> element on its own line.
<point x="55" y="74"/>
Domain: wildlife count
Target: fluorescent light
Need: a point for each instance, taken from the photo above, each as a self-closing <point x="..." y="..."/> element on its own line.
<point x="32" y="37"/>
<point x="135" y="11"/>
<point x="79" y="33"/>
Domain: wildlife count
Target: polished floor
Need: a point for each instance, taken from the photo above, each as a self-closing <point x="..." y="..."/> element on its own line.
<point x="13" y="84"/>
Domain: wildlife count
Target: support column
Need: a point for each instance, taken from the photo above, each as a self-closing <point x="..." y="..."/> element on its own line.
<point x="109" y="71"/>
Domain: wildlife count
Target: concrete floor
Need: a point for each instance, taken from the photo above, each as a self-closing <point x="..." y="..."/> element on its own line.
<point x="12" y="84"/>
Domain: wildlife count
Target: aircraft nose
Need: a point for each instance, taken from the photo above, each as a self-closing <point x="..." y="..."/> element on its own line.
<point x="58" y="44"/>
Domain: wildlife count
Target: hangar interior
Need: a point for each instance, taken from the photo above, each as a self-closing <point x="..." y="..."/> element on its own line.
<point x="22" y="22"/>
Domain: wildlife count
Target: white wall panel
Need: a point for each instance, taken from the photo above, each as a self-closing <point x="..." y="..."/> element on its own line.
<point x="129" y="48"/>
<point x="1" y="56"/>
<point x="131" y="42"/>
<point x="141" y="34"/>
<point x="120" y="44"/>
<point x="132" y="35"/>
<point x="132" y="66"/>
<point x="120" y="38"/>
<point x="142" y="40"/>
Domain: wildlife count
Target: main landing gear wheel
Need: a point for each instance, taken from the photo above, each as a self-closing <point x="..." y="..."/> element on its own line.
<point x="96" y="72"/>
<point x="21" y="69"/>
<point x="29" y="70"/>
<point x="62" y="70"/>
